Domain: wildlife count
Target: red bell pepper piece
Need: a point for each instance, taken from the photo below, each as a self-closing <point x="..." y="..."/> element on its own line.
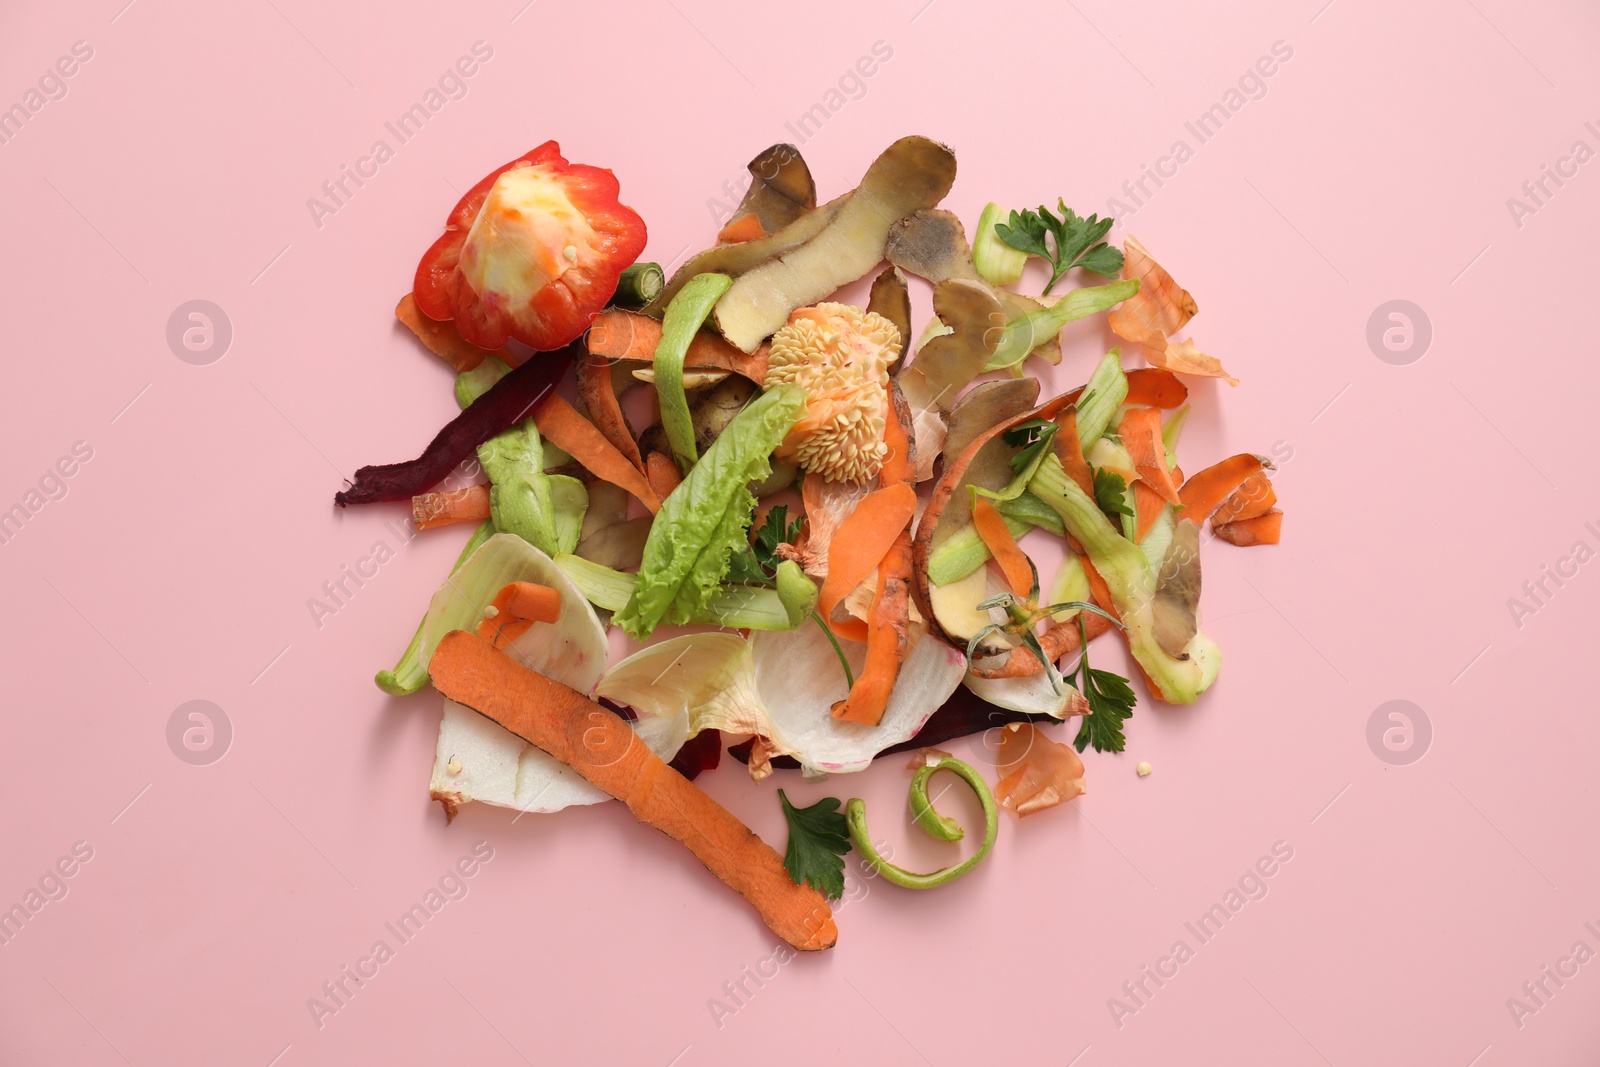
<point x="533" y="252"/>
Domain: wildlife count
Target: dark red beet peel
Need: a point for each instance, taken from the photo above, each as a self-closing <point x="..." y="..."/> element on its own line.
<point x="508" y="402"/>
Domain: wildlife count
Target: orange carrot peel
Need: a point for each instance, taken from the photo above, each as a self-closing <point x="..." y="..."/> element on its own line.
<point x="1263" y="529"/>
<point x="1014" y="564"/>
<point x="575" y="435"/>
<point x="888" y="638"/>
<point x="597" y="390"/>
<point x="515" y="609"/>
<point x="602" y="748"/>
<point x="458" y="505"/>
<point x="441" y="338"/>
<point x="859" y="545"/>
<point x="1206" y="491"/>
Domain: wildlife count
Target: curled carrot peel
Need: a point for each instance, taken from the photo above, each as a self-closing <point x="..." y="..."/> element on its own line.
<point x="1069" y="449"/>
<point x="1254" y="497"/>
<point x="888" y="638"/>
<point x="603" y="749"/>
<point x="1056" y="642"/>
<point x="1157" y="387"/>
<point x="441" y="338"/>
<point x="618" y="334"/>
<point x="1204" y="492"/>
<point x="575" y="435"/>
<point x="859" y="545"/>
<point x="1140" y="431"/>
<point x="515" y="609"/>
<point x="1263" y="529"/>
<point x="855" y="815"/>
<point x="459" y="505"/>
<point x="1014" y="564"/>
<point x="745" y="227"/>
<point x="598" y="391"/>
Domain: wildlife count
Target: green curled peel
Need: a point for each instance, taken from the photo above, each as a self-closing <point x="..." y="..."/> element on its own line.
<point x="939" y="826"/>
<point x="684" y="316"/>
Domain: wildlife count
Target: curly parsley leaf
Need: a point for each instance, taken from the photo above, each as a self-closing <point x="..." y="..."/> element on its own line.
<point x="1032" y="437"/>
<point x="758" y="564"/>
<point x="818" y="841"/>
<point x="1111" y="701"/>
<point x="1111" y="492"/>
<point x="1077" y="241"/>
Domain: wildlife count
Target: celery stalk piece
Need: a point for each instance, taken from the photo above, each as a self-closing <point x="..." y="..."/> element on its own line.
<point x="740" y="607"/>
<point x="411" y="673"/>
<point x="964" y="552"/>
<point x="995" y="260"/>
<point x="684" y="316"/>
<point x="1102" y="395"/>
<point x="1030" y="509"/>
<point x="471" y="384"/>
<point x="1025" y="333"/>
<point x="1132" y="583"/>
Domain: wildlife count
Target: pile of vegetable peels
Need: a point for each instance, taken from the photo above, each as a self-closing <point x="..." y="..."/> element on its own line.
<point x="817" y="542"/>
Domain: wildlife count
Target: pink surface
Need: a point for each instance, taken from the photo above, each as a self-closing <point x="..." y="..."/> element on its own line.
<point x="218" y="899"/>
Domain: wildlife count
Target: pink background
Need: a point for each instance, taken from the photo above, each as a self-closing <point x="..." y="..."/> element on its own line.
<point x="1419" y="498"/>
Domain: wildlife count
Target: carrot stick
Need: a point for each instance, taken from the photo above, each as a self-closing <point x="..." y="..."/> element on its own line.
<point x="1147" y="508"/>
<point x="1157" y="387"/>
<point x="1204" y="492"/>
<point x="440" y="509"/>
<point x="603" y="749"/>
<point x="515" y="609"/>
<point x="859" y="545"/>
<point x="441" y="338"/>
<point x="888" y="637"/>
<point x="575" y="435"/>
<point x="1264" y="529"/>
<point x="1255" y="497"/>
<point x="664" y="474"/>
<point x="1069" y="449"/>
<point x="599" y="395"/>
<point x="1003" y="547"/>
<point x="1141" y="436"/>
<point x="744" y="228"/>
<point x="618" y="334"/>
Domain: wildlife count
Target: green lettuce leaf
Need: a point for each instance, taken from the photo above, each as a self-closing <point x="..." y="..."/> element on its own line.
<point x="704" y="520"/>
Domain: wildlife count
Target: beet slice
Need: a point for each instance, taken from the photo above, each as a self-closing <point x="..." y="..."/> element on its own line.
<point x="963" y="714"/>
<point x="702" y="752"/>
<point x="508" y="402"/>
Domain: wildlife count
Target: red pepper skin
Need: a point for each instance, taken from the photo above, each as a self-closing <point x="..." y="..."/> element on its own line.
<point x="508" y="402"/>
<point x="562" y="308"/>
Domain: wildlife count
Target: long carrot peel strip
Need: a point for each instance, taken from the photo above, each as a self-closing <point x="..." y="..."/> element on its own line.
<point x="1264" y="529"/>
<point x="1141" y="435"/>
<point x="515" y="609"/>
<point x="888" y="638"/>
<point x="1069" y="448"/>
<point x="441" y="338"/>
<point x="991" y="526"/>
<point x="599" y="395"/>
<point x="618" y="334"/>
<point x="1255" y="497"/>
<point x="575" y="435"/>
<point x="664" y="474"/>
<point x="1147" y="507"/>
<point x="1204" y="492"/>
<point x="603" y="749"/>
<point x="858" y="546"/>
<point x="460" y="505"/>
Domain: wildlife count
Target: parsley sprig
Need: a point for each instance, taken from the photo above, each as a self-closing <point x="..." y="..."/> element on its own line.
<point x="1077" y="241"/>
<point x="1032" y="437"/>
<point x="1111" y="700"/>
<point x="819" y="837"/>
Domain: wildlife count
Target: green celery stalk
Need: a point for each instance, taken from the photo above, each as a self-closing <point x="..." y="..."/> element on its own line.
<point x="471" y="384"/>
<point x="411" y="674"/>
<point x="1025" y="333"/>
<point x="1131" y="581"/>
<point x="995" y="260"/>
<point x="1102" y="395"/>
